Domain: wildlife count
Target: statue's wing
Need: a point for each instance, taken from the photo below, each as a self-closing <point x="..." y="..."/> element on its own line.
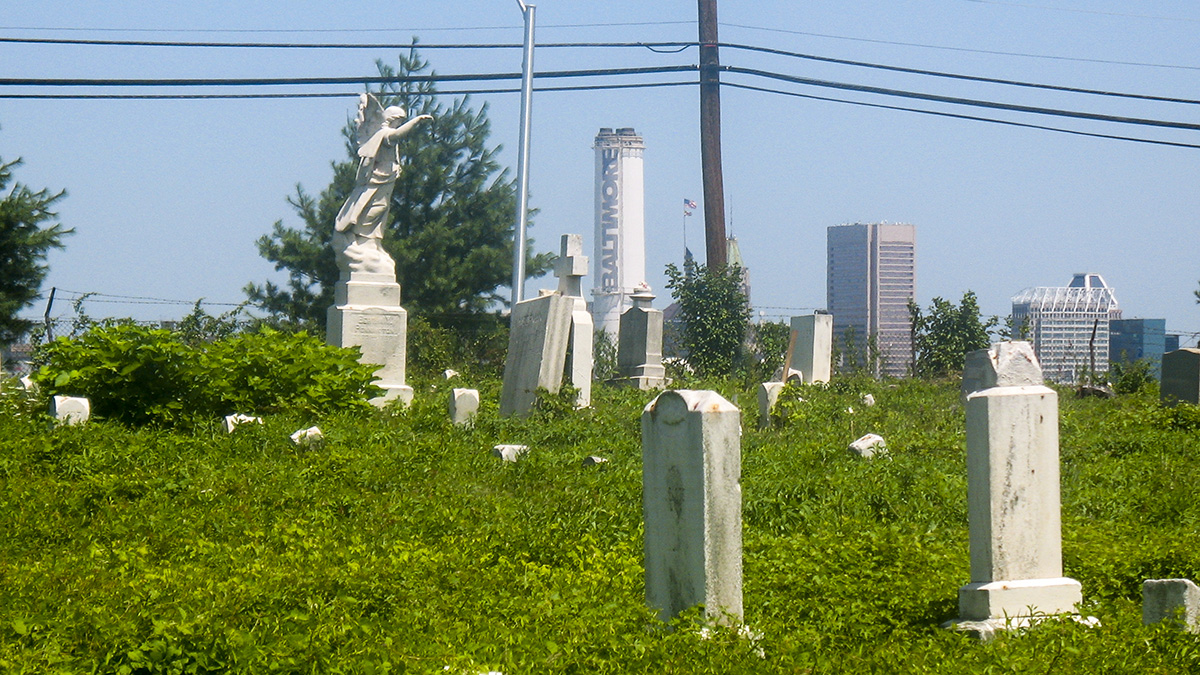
<point x="369" y="120"/>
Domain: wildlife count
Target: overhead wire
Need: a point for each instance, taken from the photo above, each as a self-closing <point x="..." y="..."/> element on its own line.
<point x="334" y="45"/>
<point x="299" y="31"/>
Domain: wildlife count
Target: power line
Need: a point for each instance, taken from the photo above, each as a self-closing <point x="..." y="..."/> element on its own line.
<point x="340" y="94"/>
<point x="299" y="31"/>
<point x="242" y="82"/>
<point x="957" y="76"/>
<point x="141" y="299"/>
<point x="897" y="43"/>
<point x="333" y="45"/>
<point x="963" y="117"/>
<point x="954" y="100"/>
<point x="1052" y="8"/>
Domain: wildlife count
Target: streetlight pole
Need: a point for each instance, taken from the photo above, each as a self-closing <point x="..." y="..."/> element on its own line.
<point x="518" y="284"/>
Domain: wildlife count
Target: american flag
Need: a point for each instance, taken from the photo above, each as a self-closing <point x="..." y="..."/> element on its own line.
<point x="688" y="206"/>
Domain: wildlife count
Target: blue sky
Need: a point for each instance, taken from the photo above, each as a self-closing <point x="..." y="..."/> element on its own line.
<point x="168" y="197"/>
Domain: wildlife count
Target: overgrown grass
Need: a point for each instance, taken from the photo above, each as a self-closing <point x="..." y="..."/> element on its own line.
<point x="401" y="545"/>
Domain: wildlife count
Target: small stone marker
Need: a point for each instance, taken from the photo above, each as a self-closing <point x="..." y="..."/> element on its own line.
<point x="464" y="405"/>
<point x="1174" y="600"/>
<point x="868" y="446"/>
<point x="537" y="351"/>
<point x="639" y="344"/>
<point x="28" y="385"/>
<point x="868" y="400"/>
<point x="593" y="460"/>
<point x="308" y="438"/>
<point x="1004" y="364"/>
<point x="570" y="268"/>
<point x="768" y="396"/>
<point x="812" y="353"/>
<point x="692" y="504"/>
<point x="237" y="419"/>
<point x="70" y="409"/>
<point x="449" y="373"/>
<point x="1013" y="502"/>
<point x="510" y="453"/>
<point x="1181" y="377"/>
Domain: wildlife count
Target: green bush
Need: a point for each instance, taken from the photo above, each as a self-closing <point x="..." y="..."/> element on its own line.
<point x="141" y="375"/>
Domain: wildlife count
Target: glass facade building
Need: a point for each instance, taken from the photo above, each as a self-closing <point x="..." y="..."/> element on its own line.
<point x="871" y="276"/>
<point x="1134" y="339"/>
<point x="1068" y="326"/>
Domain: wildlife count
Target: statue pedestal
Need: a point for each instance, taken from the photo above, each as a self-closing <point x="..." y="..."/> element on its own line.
<point x="367" y="314"/>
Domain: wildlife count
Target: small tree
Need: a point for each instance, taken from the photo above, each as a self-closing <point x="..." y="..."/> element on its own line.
<point x="943" y="335"/>
<point x="27" y="234"/>
<point x="715" y="314"/>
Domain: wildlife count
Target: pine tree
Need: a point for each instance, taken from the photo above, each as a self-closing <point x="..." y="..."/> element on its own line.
<point x="25" y="239"/>
<point x="451" y="216"/>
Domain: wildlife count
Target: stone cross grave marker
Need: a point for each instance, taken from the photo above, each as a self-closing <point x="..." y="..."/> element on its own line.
<point x="692" y="504"/>
<point x="639" y="343"/>
<point x="1013" y="504"/>
<point x="570" y="268"/>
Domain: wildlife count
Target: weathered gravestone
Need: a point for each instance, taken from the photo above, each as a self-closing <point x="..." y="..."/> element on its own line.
<point x="1004" y="364"/>
<point x="366" y="312"/>
<point x="570" y="268"/>
<point x="464" y="405"/>
<point x="70" y="409"/>
<point x="537" y="351"/>
<point x="639" y="343"/>
<point x="1181" y="377"/>
<point x="768" y="396"/>
<point x="692" y="504"/>
<point x="1176" y="601"/>
<point x="1013" y="502"/>
<point x="812" y="351"/>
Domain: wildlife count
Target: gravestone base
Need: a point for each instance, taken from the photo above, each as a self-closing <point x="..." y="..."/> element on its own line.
<point x="986" y="630"/>
<point x="1001" y="599"/>
<point x="367" y="314"/>
<point x="645" y="377"/>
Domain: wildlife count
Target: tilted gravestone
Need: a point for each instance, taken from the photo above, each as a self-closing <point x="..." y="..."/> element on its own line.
<point x="70" y="409"/>
<point x="1181" y="377"/>
<point x="1176" y="601"/>
<point x="570" y="268"/>
<point x="692" y="504"/>
<point x="1013" y="504"/>
<point x="537" y="351"/>
<point x="639" y="343"/>
<point x="768" y="396"/>
<point x="812" y="351"/>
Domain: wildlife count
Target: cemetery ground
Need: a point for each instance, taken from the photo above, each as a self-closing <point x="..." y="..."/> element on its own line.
<point x="402" y="545"/>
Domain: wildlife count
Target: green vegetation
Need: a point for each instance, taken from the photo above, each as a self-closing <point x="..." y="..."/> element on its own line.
<point x="715" y="314"/>
<point x="402" y="546"/>
<point x="27" y="234"/>
<point x="944" y="334"/>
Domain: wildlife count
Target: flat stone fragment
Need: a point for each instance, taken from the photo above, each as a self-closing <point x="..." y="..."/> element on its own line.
<point x="308" y="438"/>
<point x="1176" y="601"/>
<point x="1004" y="364"/>
<point x="692" y="504"/>
<point x="449" y="373"/>
<point x="237" y="419"/>
<point x="868" y="400"/>
<point x="70" y="409"/>
<point x="592" y="460"/>
<point x="510" y="453"/>
<point x="28" y="385"/>
<point x="869" y="446"/>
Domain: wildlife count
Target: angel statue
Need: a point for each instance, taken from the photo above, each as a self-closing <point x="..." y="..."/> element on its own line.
<point x="358" y="230"/>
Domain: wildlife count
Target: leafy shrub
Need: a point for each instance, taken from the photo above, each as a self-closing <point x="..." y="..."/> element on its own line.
<point x="141" y="375"/>
<point x="1131" y="377"/>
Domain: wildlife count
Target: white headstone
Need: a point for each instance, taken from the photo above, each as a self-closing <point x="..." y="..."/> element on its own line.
<point x="1013" y="504"/>
<point x="692" y="503"/>
<point x="639" y="345"/>
<point x="570" y="268"/>
<point x="510" y="452"/>
<point x="768" y="396"/>
<point x="1004" y="364"/>
<point x="308" y="438"/>
<point x="812" y="354"/>
<point x="464" y="405"/>
<point x="1173" y="600"/>
<point x="869" y="446"/>
<point x="70" y="409"/>
<point x="233" y="421"/>
<point x="537" y="351"/>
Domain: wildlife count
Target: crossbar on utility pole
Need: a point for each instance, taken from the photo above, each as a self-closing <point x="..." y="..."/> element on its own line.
<point x="518" y="283"/>
<point x="715" y="248"/>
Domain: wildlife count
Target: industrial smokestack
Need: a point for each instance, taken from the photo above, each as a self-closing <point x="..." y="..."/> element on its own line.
<point x="620" y="254"/>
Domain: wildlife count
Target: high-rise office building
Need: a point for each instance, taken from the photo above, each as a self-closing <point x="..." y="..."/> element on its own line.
<point x="1068" y="325"/>
<point x="620" y="254"/>
<point x="871" y="276"/>
<point x="1138" y="340"/>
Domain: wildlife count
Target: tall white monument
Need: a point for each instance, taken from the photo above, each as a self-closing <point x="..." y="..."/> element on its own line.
<point x="620" y="254"/>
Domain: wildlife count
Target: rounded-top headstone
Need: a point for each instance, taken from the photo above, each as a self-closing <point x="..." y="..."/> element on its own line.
<point x="671" y="407"/>
<point x="1004" y="364"/>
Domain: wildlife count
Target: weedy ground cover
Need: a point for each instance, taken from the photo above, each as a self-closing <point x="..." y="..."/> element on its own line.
<point x="401" y="545"/>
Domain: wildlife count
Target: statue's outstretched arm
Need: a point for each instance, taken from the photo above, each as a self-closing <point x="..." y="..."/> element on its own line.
<point x="408" y="126"/>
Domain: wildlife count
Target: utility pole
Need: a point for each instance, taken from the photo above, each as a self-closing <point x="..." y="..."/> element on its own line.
<point x="710" y="138"/>
<point x="518" y="283"/>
